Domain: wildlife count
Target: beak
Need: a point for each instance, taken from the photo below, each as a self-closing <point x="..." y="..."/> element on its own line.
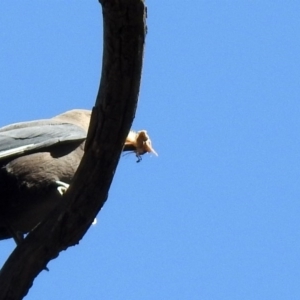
<point x="148" y="147"/>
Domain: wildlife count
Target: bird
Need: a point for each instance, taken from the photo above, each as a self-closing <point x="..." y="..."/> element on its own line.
<point x="38" y="160"/>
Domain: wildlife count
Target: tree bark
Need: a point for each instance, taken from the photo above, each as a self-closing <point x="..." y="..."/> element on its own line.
<point x="112" y="116"/>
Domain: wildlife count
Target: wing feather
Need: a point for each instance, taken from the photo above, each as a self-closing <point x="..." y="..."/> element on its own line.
<point x="21" y="138"/>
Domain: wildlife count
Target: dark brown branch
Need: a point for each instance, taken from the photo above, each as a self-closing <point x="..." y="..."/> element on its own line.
<point x="124" y="35"/>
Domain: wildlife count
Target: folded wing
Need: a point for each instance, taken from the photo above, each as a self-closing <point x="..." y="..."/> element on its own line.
<point x="23" y="138"/>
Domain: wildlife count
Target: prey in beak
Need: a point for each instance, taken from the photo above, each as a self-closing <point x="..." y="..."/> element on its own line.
<point x="140" y="143"/>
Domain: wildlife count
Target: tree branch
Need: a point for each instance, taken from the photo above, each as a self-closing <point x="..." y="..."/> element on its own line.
<point x="124" y="36"/>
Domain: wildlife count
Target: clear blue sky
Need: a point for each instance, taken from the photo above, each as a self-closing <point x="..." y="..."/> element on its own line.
<point x="217" y="214"/>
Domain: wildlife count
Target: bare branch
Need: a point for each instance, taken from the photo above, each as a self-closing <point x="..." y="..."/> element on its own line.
<point x="124" y="36"/>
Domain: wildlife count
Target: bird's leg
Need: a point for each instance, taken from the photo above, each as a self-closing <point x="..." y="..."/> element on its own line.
<point x="62" y="188"/>
<point x="16" y="235"/>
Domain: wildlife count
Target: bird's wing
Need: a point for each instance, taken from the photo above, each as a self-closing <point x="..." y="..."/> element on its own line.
<point x="21" y="138"/>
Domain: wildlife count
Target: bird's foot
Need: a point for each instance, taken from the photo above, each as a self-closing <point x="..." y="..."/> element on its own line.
<point x="62" y="186"/>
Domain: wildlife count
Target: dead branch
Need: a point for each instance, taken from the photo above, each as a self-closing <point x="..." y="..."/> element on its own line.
<point x="124" y="36"/>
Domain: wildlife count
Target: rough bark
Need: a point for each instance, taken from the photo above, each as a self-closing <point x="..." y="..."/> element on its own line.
<point x="124" y="36"/>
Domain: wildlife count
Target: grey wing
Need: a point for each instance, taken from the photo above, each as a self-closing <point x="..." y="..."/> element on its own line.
<point x="18" y="139"/>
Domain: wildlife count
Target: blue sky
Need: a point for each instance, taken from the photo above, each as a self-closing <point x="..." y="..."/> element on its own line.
<point x="217" y="214"/>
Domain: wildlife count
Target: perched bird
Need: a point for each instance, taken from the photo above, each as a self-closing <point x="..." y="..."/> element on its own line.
<point x="38" y="160"/>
